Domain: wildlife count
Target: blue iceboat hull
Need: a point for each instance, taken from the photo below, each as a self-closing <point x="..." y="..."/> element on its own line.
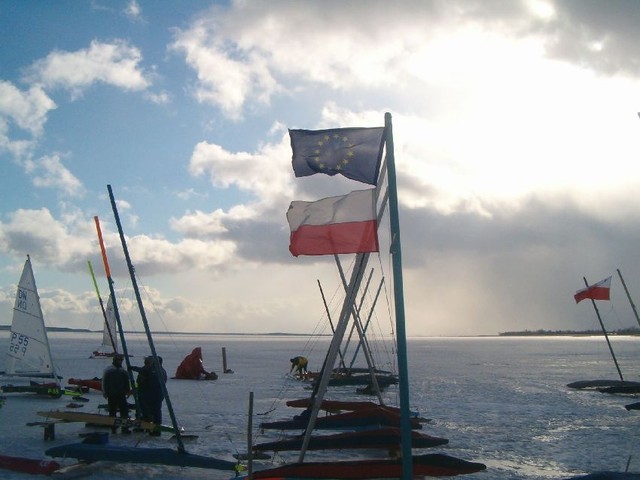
<point x="158" y="456"/>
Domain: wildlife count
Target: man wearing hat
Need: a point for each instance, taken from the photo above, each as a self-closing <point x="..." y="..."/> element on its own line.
<point x="115" y="388"/>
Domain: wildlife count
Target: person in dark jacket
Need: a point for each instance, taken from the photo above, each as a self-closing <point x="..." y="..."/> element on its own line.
<point x="151" y="391"/>
<point x="115" y="388"/>
<point x="143" y="388"/>
<point x="156" y="395"/>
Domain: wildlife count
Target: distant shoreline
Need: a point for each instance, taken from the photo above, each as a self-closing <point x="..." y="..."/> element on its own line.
<point x="523" y="333"/>
<point x="86" y="330"/>
<point x="568" y="333"/>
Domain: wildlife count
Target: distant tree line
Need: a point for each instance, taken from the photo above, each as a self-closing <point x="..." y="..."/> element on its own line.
<point x="542" y="332"/>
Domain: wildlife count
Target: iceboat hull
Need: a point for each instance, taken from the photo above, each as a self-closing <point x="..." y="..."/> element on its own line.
<point x="124" y="454"/>
<point x="435" y="465"/>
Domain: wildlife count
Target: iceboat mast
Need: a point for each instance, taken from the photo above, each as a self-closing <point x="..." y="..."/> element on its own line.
<point x="626" y="290"/>
<point x="147" y="330"/>
<point x="116" y="312"/>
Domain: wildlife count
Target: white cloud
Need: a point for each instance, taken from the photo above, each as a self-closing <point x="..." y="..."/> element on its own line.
<point x="133" y="11"/>
<point x="39" y="233"/>
<point x="158" y="256"/>
<point x="199" y="224"/>
<point x="26" y="109"/>
<point x="265" y="173"/>
<point x="161" y="98"/>
<point x="224" y="81"/>
<point x="115" y="64"/>
<point x="22" y="110"/>
<point x="48" y="171"/>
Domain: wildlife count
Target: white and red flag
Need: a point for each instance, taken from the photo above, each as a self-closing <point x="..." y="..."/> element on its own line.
<point x="334" y="225"/>
<point x="597" y="291"/>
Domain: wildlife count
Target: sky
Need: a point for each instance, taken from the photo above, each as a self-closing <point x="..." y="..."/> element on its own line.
<point x="515" y="126"/>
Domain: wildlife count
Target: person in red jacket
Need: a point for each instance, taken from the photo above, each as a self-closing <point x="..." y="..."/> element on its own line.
<point x="192" y="368"/>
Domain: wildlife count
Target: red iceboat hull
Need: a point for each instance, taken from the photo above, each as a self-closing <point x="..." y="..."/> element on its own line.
<point x="94" y="383"/>
<point x="28" y="465"/>
<point x="435" y="465"/>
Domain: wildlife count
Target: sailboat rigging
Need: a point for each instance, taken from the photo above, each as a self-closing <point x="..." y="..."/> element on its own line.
<point x="408" y="465"/>
<point x="160" y="456"/>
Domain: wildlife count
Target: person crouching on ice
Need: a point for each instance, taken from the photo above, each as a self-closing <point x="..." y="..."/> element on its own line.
<point x="300" y="364"/>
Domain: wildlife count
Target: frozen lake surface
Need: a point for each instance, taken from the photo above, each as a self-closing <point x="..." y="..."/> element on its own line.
<point x="502" y="401"/>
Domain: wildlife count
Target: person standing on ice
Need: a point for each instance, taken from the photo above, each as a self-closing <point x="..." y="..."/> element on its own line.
<point x="116" y="388"/>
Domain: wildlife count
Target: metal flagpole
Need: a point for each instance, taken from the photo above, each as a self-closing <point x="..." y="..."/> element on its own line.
<point x="604" y="330"/>
<point x="398" y="289"/>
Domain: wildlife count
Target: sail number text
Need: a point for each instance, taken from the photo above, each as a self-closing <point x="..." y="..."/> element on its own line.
<point x="18" y="344"/>
<point x="21" y="299"/>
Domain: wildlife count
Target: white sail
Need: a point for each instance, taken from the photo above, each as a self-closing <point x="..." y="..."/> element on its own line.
<point x="29" y="354"/>
<point x="109" y="344"/>
<point x="109" y="338"/>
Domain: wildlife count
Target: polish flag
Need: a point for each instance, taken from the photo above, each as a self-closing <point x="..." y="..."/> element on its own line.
<point x="597" y="291"/>
<point x="334" y="225"/>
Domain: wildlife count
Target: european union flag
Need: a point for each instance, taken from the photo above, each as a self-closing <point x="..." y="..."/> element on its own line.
<point x="353" y="152"/>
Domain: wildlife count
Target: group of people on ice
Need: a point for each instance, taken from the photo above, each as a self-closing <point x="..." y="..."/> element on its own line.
<point x="116" y="388"/>
<point x="150" y="388"/>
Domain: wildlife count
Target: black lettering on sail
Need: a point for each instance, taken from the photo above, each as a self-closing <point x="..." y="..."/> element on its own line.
<point x="21" y="299"/>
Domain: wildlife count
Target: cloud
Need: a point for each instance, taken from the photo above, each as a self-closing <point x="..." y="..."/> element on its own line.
<point x="514" y="140"/>
<point x="49" y="172"/>
<point x="51" y="241"/>
<point x="265" y="174"/>
<point x="199" y="224"/>
<point x="26" y="109"/>
<point x="161" y="98"/>
<point x="133" y="11"/>
<point x="593" y="34"/>
<point x="115" y="64"/>
<point x="23" y="110"/>
<point x="223" y="80"/>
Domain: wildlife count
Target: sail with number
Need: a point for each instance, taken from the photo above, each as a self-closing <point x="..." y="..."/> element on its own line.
<point x="29" y="354"/>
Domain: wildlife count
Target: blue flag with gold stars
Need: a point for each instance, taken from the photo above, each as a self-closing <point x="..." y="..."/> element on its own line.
<point x="353" y="152"/>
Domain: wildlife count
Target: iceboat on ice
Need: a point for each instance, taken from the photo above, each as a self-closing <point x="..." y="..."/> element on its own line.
<point x="29" y="354"/>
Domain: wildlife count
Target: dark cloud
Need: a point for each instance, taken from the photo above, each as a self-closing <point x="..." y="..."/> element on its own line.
<point x="600" y="35"/>
<point x="525" y="262"/>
